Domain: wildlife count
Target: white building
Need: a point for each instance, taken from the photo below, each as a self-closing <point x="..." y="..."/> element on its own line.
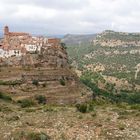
<point x="32" y="48"/>
<point x="2" y="53"/>
<point x="9" y="53"/>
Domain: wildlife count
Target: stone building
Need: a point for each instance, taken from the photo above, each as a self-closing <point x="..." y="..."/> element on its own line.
<point x="28" y="50"/>
<point x="19" y="43"/>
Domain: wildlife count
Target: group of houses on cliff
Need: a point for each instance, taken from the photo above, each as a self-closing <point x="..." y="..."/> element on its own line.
<point x="18" y="43"/>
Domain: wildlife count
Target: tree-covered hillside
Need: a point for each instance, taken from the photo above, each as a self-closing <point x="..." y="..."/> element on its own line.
<point x="119" y="61"/>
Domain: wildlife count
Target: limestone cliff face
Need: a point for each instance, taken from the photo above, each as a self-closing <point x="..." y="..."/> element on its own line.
<point x="53" y="57"/>
<point x="50" y="58"/>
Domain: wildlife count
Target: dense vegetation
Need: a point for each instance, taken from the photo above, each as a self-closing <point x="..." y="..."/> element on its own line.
<point x="5" y="97"/>
<point x="31" y="136"/>
<point x="117" y="65"/>
<point x="90" y="79"/>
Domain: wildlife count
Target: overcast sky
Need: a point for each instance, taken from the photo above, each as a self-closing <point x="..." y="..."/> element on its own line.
<point x="70" y="16"/>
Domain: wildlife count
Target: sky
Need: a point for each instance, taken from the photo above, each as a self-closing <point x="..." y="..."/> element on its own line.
<point x="70" y="16"/>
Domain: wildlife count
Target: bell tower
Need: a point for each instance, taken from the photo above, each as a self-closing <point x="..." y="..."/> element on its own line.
<point x="6" y="30"/>
<point x="6" y="34"/>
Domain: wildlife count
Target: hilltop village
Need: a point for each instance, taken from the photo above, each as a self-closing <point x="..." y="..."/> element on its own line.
<point x="17" y="48"/>
<point x="18" y="43"/>
<point x="38" y="65"/>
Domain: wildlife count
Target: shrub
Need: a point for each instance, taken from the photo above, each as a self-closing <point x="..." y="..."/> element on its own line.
<point x="37" y="136"/>
<point x="26" y="103"/>
<point x="62" y="82"/>
<point x="86" y="107"/>
<point x="35" y="82"/>
<point x="63" y="45"/>
<point x="109" y="86"/>
<point x="82" y="108"/>
<point x="50" y="108"/>
<point x="121" y="126"/>
<point x="30" y="136"/>
<point x="12" y="83"/>
<point x="134" y="98"/>
<point x="41" y="99"/>
<point x="5" y="109"/>
<point x="13" y="118"/>
<point x="44" y="85"/>
<point x="94" y="114"/>
<point x="5" y="97"/>
<point x="135" y="106"/>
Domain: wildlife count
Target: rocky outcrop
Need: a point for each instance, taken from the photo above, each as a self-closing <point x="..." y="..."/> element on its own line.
<point x="114" y="39"/>
<point x="43" y="73"/>
<point x="48" y="57"/>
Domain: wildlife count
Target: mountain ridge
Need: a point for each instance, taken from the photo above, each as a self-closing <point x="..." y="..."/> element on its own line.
<point x="110" y="53"/>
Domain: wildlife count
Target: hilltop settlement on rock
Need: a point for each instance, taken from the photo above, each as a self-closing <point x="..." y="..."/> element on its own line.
<point x="31" y="66"/>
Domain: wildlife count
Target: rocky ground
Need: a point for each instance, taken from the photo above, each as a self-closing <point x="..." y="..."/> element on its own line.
<point x="106" y="122"/>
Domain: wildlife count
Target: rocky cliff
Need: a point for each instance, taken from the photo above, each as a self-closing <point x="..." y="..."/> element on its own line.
<point x="42" y="73"/>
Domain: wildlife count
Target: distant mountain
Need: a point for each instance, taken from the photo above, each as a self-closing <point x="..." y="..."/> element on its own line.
<point x="112" y="39"/>
<point x="56" y="36"/>
<point x="76" y="39"/>
<point x="1" y="35"/>
<point x="50" y="36"/>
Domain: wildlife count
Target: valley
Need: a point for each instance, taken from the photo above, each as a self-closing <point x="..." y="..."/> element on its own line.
<point x="73" y="89"/>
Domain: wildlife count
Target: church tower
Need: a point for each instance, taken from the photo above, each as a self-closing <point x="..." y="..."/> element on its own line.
<point x="6" y="34"/>
<point x="6" y="30"/>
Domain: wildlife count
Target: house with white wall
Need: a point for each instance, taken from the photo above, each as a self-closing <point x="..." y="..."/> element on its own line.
<point x="32" y="48"/>
<point x="2" y="53"/>
<point x="9" y="53"/>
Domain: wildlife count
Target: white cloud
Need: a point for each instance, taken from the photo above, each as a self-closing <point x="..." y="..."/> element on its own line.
<point x="34" y="12"/>
<point x="70" y="16"/>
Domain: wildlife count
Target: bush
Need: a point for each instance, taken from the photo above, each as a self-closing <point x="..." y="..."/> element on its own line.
<point x="109" y="87"/>
<point x="35" y="82"/>
<point x="44" y="85"/>
<point x="5" y="97"/>
<point x="134" y="98"/>
<point x="41" y="99"/>
<point x="82" y="108"/>
<point x="30" y="136"/>
<point x="12" y="83"/>
<point x="37" y="136"/>
<point x="49" y="109"/>
<point x="62" y="82"/>
<point x="86" y="107"/>
<point x="26" y="103"/>
<point x="135" y="106"/>
<point x="63" y="45"/>
<point x="121" y="126"/>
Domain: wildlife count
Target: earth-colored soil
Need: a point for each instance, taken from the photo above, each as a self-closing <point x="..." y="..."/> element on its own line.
<point x="108" y="122"/>
<point x="59" y="85"/>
